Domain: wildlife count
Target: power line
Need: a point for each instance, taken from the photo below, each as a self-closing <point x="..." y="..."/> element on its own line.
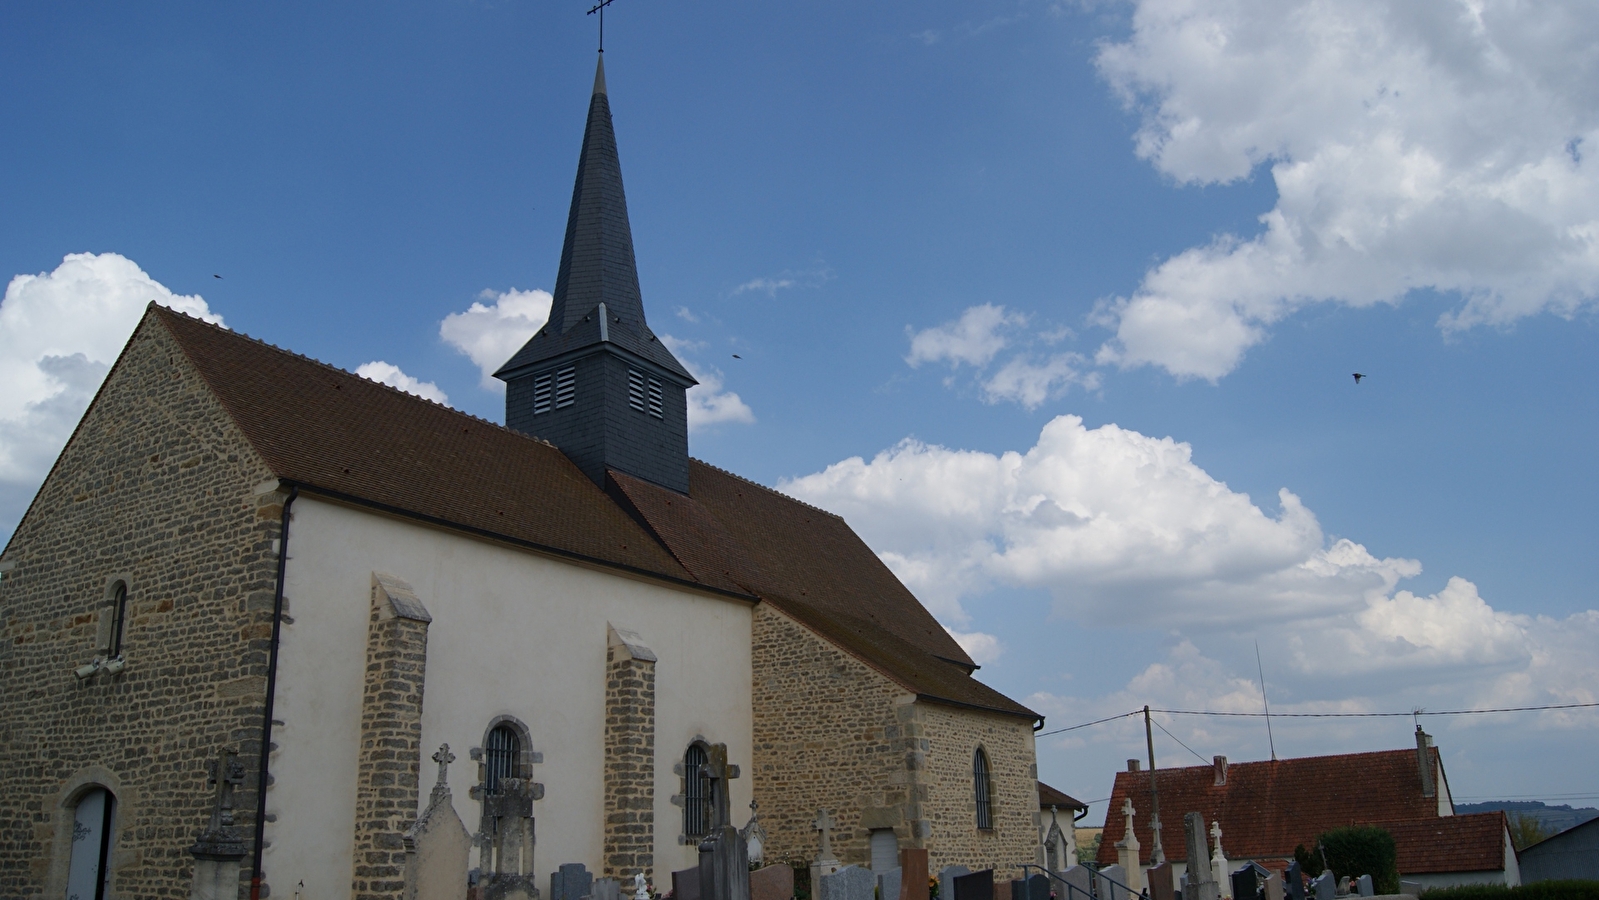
<point x="1180" y="743"/>
<point x="1373" y="715"/>
<point x="1136" y="712"/>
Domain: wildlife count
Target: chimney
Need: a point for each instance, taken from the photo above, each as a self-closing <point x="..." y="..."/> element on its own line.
<point x="1424" y="762"/>
<point x="1132" y="765"/>
<point x="1220" y="765"/>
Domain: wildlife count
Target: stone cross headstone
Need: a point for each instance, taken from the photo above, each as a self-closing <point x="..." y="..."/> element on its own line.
<point x="1111" y="879"/>
<point x="1201" y="886"/>
<point x="913" y="874"/>
<point x="1127" y="855"/>
<point x="724" y="857"/>
<point x="946" y="880"/>
<point x="220" y="848"/>
<point x="772" y="883"/>
<point x="848" y="883"/>
<point x="437" y="846"/>
<point x="978" y="885"/>
<point x="685" y="884"/>
<point x="1038" y="887"/>
<point x="1294" y="883"/>
<point x="1077" y="881"/>
<point x="824" y="823"/>
<point x="1363" y="885"/>
<point x="1161" y="885"/>
<point x="1218" y="859"/>
<point x="1325" y="887"/>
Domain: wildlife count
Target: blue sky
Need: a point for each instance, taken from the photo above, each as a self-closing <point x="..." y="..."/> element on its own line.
<point x="930" y="230"/>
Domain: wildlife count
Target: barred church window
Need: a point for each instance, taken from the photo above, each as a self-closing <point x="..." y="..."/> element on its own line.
<point x="565" y="387"/>
<point x="502" y="757"/>
<point x="984" y="789"/>
<point x="87" y="871"/>
<point x="655" y="398"/>
<point x="635" y="389"/>
<point x="696" y="793"/>
<point x="542" y="393"/>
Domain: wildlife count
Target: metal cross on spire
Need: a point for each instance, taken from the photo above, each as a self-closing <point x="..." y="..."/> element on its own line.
<point x="600" y="8"/>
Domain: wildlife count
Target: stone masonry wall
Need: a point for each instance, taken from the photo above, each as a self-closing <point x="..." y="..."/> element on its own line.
<point x="953" y="736"/>
<point x="388" y="767"/>
<point x="157" y="486"/>
<point x="629" y="764"/>
<point x="827" y="735"/>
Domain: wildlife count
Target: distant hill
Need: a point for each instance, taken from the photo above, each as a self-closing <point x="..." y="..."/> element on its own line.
<point x="1552" y="818"/>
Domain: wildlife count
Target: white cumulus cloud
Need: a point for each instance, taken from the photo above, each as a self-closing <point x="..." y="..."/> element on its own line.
<point x="1444" y="145"/>
<point x="708" y="403"/>
<point x="494" y="327"/>
<point x="1028" y="382"/>
<point x="391" y="375"/>
<point x="974" y="339"/>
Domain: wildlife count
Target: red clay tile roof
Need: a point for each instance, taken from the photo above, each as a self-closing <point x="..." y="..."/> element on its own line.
<point x="1048" y="796"/>
<point x="1470" y="843"/>
<point x="1267" y="808"/>
<point x="342" y="435"/>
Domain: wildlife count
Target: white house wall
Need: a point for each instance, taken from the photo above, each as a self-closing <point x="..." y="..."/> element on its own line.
<point x="513" y="633"/>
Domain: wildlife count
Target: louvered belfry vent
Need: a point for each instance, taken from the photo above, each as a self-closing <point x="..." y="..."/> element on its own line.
<point x="582" y="381"/>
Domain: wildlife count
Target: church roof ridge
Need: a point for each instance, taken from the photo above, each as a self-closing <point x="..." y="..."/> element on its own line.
<point x="767" y="488"/>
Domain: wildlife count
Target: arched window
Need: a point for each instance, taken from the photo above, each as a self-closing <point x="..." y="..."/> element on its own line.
<point x="87" y="870"/>
<point x="983" y="788"/>
<point x="119" y="619"/>
<point x="696" y="793"/>
<point x="502" y="757"/>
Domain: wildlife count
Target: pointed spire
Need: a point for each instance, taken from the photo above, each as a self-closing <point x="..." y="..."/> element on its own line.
<point x="597" y="264"/>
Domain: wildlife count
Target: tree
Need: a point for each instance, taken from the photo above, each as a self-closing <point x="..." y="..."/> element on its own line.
<point x="1526" y="830"/>
<point x="1363" y="850"/>
<point x="1309" y="862"/>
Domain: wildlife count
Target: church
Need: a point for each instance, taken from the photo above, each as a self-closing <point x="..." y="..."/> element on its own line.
<point x="264" y="617"/>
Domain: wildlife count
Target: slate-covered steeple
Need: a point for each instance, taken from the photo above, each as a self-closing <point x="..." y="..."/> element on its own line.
<point x="595" y="381"/>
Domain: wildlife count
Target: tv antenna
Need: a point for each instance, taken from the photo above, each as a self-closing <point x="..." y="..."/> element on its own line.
<point x="600" y="8"/>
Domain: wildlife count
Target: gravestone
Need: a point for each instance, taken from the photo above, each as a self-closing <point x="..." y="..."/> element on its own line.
<point x="1294" y="883"/>
<point x="572" y="881"/>
<point x="1077" y="881"/>
<point x="1018" y="889"/>
<point x="1413" y="888"/>
<point x="826" y="863"/>
<point x="607" y="889"/>
<point x="219" y="851"/>
<point x="1248" y="881"/>
<point x="437" y="847"/>
<point x="686" y="884"/>
<point x="946" y="880"/>
<point x="848" y="883"/>
<point x="505" y="840"/>
<point x="772" y="883"/>
<point x="913" y="874"/>
<point x="1273" y="887"/>
<point x="1325" y="887"/>
<point x="976" y="886"/>
<point x="1160" y="882"/>
<point x="724" y="856"/>
<point x="1200" y="884"/>
<point x="1110" y="883"/>
<point x="1363" y="885"/>
<point x="888" y="883"/>
<point x="1037" y="887"/>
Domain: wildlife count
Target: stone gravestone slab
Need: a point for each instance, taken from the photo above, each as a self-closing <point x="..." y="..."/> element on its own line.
<point x="848" y="883"/>
<point x="1325" y="887"/>
<point x="607" y="889"/>
<point x="888" y="883"/>
<point x="1245" y="885"/>
<point x="771" y="883"/>
<point x="1273" y="887"/>
<point x="1413" y="888"/>
<point x="572" y="881"/>
<point x="1111" y="879"/>
<point x="1077" y="880"/>
<point x="724" y="854"/>
<point x="976" y="886"/>
<point x="1200" y="884"/>
<point x="913" y="874"/>
<point x="438" y="847"/>
<point x="946" y="880"/>
<point x="1018" y="889"/>
<point x="1294" y="883"/>
<point x="686" y="884"/>
<point x="1159" y="881"/>
<point x="1363" y="885"/>
<point x="1038" y="887"/>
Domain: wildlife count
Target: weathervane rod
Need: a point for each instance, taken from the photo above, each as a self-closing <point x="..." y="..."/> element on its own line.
<point x="600" y="8"/>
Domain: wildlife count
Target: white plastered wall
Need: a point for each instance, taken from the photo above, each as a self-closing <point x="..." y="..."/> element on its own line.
<point x="514" y="633"/>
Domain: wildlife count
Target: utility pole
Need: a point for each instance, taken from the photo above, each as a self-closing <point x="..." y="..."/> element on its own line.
<point x="1157" y="855"/>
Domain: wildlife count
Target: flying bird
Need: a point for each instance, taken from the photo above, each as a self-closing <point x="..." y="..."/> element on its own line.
<point x="736" y="356"/>
<point x="216" y="276"/>
<point x="1358" y="376"/>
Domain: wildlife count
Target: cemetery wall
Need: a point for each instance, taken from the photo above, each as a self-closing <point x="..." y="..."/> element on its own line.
<point x="514" y="634"/>
<point x="828" y="734"/>
<point x="953" y="736"/>
<point x="156" y="487"/>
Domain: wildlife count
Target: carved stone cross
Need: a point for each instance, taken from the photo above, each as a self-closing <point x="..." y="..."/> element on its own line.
<point x="718" y="772"/>
<point x="1127" y="810"/>
<point x="225" y="773"/>
<point x="444" y="757"/>
<point x="1215" y="835"/>
<point x="825" y="824"/>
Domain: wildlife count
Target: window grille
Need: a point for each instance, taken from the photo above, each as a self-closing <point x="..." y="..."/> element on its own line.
<point x="541" y="393"/>
<point x="983" y="789"/>
<point x="565" y="387"/>
<point x="502" y="758"/>
<point x="119" y="619"/>
<point x="655" y="398"/>
<point x="635" y="389"/>
<point x="696" y="793"/>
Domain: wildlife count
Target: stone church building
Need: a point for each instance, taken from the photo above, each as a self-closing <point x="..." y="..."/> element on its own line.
<point x="245" y="551"/>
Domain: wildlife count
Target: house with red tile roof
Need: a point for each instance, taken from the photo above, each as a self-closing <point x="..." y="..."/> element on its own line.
<point x="321" y="585"/>
<point x="1268" y="808"/>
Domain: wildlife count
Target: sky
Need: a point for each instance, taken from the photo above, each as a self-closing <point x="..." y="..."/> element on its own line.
<point x="1058" y="303"/>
